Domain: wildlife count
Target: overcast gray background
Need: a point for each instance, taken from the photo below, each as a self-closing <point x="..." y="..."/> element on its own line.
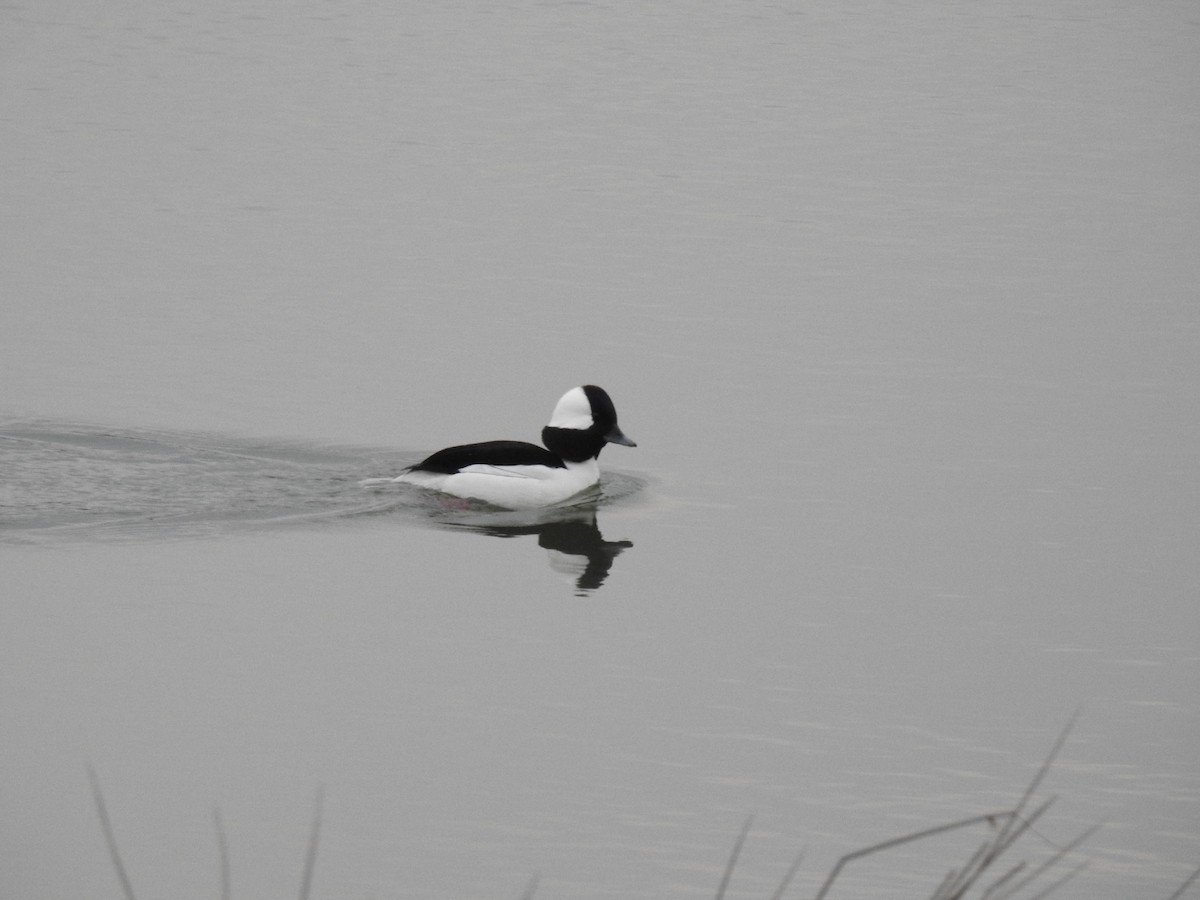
<point x="898" y="299"/>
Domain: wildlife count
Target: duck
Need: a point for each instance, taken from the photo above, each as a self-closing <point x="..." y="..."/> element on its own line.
<point x="521" y="475"/>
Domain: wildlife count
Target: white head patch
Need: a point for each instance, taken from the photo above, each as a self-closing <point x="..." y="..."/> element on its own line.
<point x="574" y="410"/>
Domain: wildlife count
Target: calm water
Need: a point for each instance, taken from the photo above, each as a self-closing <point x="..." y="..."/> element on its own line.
<point x="899" y="302"/>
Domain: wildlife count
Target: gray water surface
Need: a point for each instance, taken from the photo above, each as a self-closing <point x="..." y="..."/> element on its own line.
<point x="899" y="302"/>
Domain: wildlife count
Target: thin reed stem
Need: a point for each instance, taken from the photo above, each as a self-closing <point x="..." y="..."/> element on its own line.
<point x="1041" y="773"/>
<point x="737" y="849"/>
<point x="310" y="858"/>
<point x="223" y="856"/>
<point x="788" y="876"/>
<point x="904" y="839"/>
<point x="1037" y="872"/>
<point x="109" y="837"/>
<point x="530" y="888"/>
<point x="1186" y="884"/>
<point x="1054" y="886"/>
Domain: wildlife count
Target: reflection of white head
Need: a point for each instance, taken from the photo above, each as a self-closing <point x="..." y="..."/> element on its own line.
<point x="574" y="410"/>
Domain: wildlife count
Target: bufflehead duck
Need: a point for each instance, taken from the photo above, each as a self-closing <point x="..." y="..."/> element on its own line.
<point x="519" y="475"/>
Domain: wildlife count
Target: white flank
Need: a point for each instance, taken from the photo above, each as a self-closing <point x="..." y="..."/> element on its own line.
<point x="512" y="487"/>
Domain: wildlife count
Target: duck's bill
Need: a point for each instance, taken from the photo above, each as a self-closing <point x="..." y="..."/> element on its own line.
<point x="616" y="436"/>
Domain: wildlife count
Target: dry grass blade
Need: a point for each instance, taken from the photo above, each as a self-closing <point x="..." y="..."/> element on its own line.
<point x="993" y="850"/>
<point x="1014" y="823"/>
<point x="1057" y="884"/>
<point x="952" y="883"/>
<point x="530" y="888"/>
<point x="733" y="857"/>
<point x="905" y="839"/>
<point x="223" y="855"/>
<point x="1041" y="774"/>
<point x="788" y="876"/>
<point x="1003" y="842"/>
<point x="996" y="894"/>
<point x="1013" y="872"/>
<point x="109" y="838"/>
<point x="1186" y="884"/>
<point x="310" y="858"/>
<point x="943" y="885"/>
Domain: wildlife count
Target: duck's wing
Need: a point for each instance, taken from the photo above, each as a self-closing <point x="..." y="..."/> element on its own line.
<point x="491" y="457"/>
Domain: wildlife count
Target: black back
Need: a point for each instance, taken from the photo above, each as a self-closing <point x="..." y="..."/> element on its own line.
<point x="493" y="453"/>
<point x="570" y="444"/>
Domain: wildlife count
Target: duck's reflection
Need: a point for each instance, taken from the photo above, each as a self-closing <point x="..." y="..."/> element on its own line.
<point x="571" y="538"/>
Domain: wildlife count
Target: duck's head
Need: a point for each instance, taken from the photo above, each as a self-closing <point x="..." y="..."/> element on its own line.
<point x="583" y="422"/>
